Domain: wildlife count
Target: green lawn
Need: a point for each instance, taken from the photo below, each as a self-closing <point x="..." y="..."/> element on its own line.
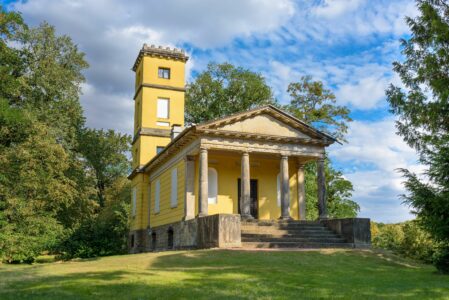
<point x="214" y="274"/>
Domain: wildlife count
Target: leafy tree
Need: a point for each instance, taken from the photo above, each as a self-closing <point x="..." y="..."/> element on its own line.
<point x="52" y="81"/>
<point x="33" y="187"/>
<point x="316" y="105"/>
<point x="224" y="89"/>
<point x="423" y="111"/>
<point x="106" y="153"/>
<point x="11" y="64"/>
<point x="339" y="193"/>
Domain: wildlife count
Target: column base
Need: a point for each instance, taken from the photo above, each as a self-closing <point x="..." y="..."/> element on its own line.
<point x="323" y="217"/>
<point x="285" y="218"/>
<point x="246" y="217"/>
<point x="202" y="215"/>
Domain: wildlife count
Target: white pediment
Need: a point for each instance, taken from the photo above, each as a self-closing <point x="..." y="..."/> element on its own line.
<point x="263" y="124"/>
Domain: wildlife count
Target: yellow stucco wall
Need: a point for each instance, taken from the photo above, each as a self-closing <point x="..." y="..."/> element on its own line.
<point x="150" y="71"/>
<point x="265" y="171"/>
<point x="140" y="182"/>
<point x="168" y="214"/>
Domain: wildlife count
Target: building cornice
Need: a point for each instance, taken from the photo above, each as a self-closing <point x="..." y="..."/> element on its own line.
<point x="158" y="86"/>
<point x="167" y="52"/>
<point x="159" y="132"/>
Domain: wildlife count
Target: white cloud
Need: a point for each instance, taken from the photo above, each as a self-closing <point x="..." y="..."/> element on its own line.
<point x="112" y="32"/>
<point x="334" y="8"/>
<point x="373" y="154"/>
<point x="334" y="21"/>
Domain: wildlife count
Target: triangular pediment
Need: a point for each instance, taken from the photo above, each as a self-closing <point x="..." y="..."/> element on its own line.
<point x="264" y="124"/>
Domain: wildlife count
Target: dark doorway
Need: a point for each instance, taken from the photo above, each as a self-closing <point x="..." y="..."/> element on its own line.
<point x="254" y="198"/>
<point x="170" y="238"/>
<point x="153" y="241"/>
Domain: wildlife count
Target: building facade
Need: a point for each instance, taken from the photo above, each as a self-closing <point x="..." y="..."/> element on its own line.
<point x="192" y="187"/>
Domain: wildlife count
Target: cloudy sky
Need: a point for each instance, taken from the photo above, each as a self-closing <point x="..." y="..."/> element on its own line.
<point x="348" y="44"/>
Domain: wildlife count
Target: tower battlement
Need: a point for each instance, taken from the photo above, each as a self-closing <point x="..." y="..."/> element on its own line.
<point x="160" y="51"/>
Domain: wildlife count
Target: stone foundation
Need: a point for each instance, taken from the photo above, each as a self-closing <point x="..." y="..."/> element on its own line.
<point x="215" y="231"/>
<point x="355" y="230"/>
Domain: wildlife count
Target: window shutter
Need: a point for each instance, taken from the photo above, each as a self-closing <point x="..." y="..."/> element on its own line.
<point x="212" y="186"/>
<point x="174" y="188"/>
<point x="134" y="202"/>
<point x="278" y="188"/>
<point x="157" y="196"/>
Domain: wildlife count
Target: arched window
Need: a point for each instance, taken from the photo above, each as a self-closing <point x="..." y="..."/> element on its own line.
<point x="212" y="186"/>
<point x="278" y="189"/>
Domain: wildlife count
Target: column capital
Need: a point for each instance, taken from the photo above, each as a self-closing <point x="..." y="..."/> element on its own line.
<point x="203" y="149"/>
<point x="300" y="165"/>
<point x="245" y="153"/>
<point x="189" y="158"/>
<point x="284" y="156"/>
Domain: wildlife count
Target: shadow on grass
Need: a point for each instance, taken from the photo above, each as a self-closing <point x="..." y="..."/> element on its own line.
<point x="237" y="275"/>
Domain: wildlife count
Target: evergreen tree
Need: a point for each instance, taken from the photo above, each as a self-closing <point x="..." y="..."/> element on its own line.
<point x="423" y="111"/>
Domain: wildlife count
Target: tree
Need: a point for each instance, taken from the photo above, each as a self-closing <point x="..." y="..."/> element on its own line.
<point x="33" y="186"/>
<point x="106" y="153"/>
<point x="315" y="105"/>
<point x="224" y="89"/>
<point x="339" y="193"/>
<point x="423" y="111"/>
<point x="52" y="81"/>
<point x="11" y="64"/>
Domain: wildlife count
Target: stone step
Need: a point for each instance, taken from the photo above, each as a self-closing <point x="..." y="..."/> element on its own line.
<point x="290" y="245"/>
<point x="289" y="232"/>
<point x="304" y="227"/>
<point x="277" y="222"/>
<point x="295" y="239"/>
<point x="288" y="235"/>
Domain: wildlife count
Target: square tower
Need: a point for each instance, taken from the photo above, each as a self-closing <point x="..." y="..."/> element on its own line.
<point x="158" y="107"/>
<point x="159" y="100"/>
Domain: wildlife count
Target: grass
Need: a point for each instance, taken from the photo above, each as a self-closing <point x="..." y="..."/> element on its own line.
<point x="221" y="274"/>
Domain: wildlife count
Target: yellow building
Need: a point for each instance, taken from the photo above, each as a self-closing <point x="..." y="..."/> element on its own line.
<point x="192" y="185"/>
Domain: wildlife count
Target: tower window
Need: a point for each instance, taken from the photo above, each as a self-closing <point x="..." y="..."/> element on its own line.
<point x="162" y="108"/>
<point x="164" y="73"/>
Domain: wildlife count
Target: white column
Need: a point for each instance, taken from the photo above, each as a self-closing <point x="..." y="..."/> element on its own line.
<point x="321" y="183"/>
<point x="245" y="197"/>
<point x="203" y="188"/>
<point x="189" y="201"/>
<point x="301" y="192"/>
<point x="285" y="189"/>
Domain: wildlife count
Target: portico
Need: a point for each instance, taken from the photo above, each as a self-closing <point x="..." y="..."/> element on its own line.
<point x="287" y="183"/>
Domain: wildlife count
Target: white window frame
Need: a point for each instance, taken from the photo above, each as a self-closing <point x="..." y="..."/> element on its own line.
<point x="134" y="202"/>
<point x="278" y="189"/>
<point x="165" y="124"/>
<point x="160" y="113"/>
<point x="157" y="196"/>
<point x="212" y="189"/>
<point x="174" y="188"/>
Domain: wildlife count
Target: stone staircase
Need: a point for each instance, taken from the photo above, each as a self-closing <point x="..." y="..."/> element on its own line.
<point x="289" y="234"/>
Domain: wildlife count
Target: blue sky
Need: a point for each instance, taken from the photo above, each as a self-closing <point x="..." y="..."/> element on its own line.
<point x="348" y="44"/>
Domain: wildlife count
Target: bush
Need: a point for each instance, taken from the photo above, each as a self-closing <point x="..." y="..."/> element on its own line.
<point x="441" y="259"/>
<point x="406" y="239"/>
<point x="105" y="233"/>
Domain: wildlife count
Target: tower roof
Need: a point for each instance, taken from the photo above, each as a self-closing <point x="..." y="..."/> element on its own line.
<point x="164" y="52"/>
